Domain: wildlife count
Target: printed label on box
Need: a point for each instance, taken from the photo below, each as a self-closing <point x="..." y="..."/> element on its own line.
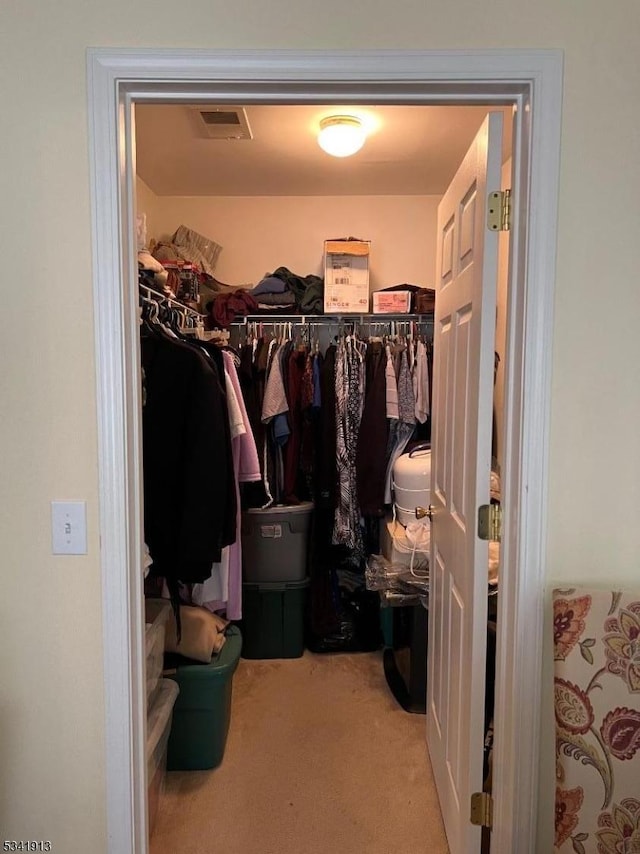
<point x="341" y="269"/>
<point x="272" y="532"/>
<point x="391" y="302"/>
<point x="346" y="277"/>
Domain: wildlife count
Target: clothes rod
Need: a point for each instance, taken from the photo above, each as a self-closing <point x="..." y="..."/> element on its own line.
<point x="328" y="319"/>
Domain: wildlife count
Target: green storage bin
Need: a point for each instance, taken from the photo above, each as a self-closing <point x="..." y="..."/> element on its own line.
<point x="273" y="619"/>
<point x="202" y="712"/>
<point x="386" y="625"/>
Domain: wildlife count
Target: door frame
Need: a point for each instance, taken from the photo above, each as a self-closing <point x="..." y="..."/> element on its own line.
<point x="532" y="82"/>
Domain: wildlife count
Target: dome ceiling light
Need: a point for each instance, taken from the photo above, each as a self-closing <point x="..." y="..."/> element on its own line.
<point x="341" y="136"/>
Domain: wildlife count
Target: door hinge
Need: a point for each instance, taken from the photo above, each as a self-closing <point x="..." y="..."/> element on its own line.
<point x="482" y="809"/>
<point x="490" y="522"/>
<point x="499" y="210"/>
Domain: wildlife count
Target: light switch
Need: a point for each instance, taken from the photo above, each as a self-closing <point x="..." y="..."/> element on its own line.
<point x="69" y="527"/>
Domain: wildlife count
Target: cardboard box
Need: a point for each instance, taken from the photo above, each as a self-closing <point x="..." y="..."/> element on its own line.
<point x="346" y="276"/>
<point x="425" y="301"/>
<point x="391" y="302"/>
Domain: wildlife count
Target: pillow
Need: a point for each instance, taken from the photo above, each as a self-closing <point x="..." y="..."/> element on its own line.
<point x="202" y="633"/>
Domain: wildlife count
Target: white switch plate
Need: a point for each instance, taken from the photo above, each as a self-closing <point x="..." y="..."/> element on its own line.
<point x="69" y="527"/>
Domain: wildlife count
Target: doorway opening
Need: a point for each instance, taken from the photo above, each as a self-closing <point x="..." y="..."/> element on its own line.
<point x="270" y="202"/>
<point x="328" y="79"/>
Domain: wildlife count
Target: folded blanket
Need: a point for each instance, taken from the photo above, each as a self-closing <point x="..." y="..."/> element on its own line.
<point x="285" y="299"/>
<point x="270" y="285"/>
<point x="312" y="301"/>
<point x="226" y="307"/>
<point x="196" y="248"/>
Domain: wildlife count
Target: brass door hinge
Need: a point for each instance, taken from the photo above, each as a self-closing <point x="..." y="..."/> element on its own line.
<point x="490" y="522"/>
<point x="499" y="210"/>
<point x="482" y="809"/>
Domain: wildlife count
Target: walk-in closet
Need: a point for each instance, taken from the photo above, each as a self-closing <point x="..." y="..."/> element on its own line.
<point x="292" y="401"/>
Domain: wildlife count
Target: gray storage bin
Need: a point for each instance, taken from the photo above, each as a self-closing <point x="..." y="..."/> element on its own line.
<point x="275" y="543"/>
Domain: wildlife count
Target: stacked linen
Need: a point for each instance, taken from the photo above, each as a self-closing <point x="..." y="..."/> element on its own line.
<point x="272" y="294"/>
<point x="280" y="292"/>
<point x="286" y="292"/>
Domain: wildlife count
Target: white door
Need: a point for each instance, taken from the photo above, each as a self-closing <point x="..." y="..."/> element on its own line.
<point x="464" y="336"/>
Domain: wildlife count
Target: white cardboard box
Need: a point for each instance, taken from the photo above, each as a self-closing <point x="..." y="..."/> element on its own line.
<point x="398" y="546"/>
<point x="346" y="276"/>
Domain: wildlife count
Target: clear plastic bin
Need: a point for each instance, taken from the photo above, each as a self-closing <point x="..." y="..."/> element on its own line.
<point x="158" y="728"/>
<point x="156" y="614"/>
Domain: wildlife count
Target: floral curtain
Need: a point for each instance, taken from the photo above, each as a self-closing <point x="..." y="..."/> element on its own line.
<point x="597" y="710"/>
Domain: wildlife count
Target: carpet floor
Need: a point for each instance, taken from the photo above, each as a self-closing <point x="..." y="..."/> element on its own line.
<point x="320" y="759"/>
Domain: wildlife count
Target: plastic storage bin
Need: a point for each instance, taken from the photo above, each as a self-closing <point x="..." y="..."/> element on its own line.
<point x="203" y="711"/>
<point x="158" y="727"/>
<point x="273" y="619"/>
<point x="275" y="543"/>
<point x="156" y="616"/>
<point x="405" y="662"/>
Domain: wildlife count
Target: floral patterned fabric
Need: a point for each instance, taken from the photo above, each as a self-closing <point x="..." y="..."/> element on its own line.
<point x="597" y="710"/>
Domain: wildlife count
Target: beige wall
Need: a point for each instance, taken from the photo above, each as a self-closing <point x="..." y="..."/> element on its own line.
<point x="260" y="233"/>
<point x="147" y="204"/>
<point x="52" y="710"/>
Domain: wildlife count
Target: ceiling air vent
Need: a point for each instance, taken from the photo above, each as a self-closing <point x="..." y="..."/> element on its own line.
<point x="224" y="122"/>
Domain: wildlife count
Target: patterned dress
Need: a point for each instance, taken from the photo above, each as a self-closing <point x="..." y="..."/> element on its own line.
<point x="347" y="530"/>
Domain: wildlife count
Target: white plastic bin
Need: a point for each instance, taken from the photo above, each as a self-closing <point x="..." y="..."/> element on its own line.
<point x="156" y="614"/>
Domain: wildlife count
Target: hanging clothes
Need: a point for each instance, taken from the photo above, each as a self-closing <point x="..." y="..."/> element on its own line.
<point x="185" y="453"/>
<point x="326" y="476"/>
<point x="402" y="429"/>
<point x="265" y="356"/>
<point x="347" y="530"/>
<point x="216" y="588"/>
<point x="391" y="386"/>
<point x="291" y="401"/>
<point x="371" y="454"/>
<point x="420" y="377"/>
<point x="309" y="415"/>
<point x="275" y="400"/>
<point x="296" y="366"/>
<point x="227" y="595"/>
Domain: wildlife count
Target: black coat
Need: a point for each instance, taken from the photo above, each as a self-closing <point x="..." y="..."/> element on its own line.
<point x="186" y="458"/>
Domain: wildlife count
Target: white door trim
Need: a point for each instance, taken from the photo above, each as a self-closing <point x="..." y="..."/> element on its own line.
<point x="532" y="80"/>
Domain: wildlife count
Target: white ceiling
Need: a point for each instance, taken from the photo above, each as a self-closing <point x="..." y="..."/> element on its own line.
<point x="410" y="150"/>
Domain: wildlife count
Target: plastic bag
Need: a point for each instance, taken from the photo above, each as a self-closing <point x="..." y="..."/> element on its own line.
<point x="381" y="574"/>
<point x="391" y="599"/>
<point x="359" y="625"/>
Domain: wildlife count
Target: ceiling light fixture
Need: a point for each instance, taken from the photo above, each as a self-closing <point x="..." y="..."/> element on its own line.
<point x="341" y="136"/>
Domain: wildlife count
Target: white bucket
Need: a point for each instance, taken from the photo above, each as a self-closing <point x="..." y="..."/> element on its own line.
<point x="411" y="483"/>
